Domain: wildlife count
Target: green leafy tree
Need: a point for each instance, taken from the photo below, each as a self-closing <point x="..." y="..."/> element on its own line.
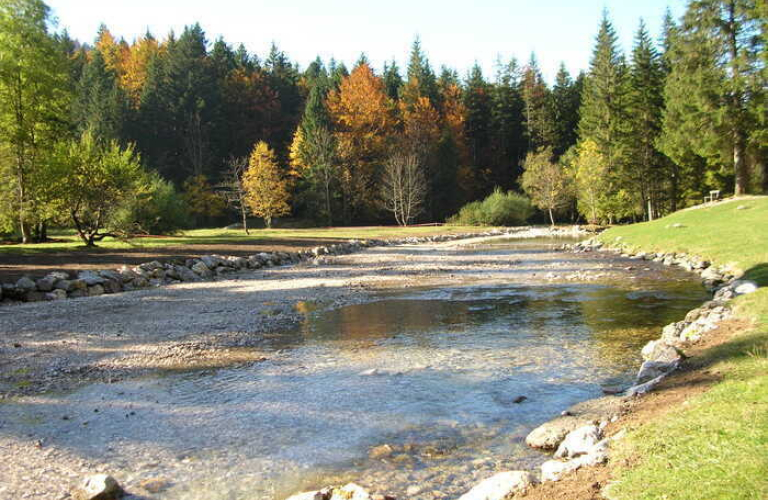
<point x="715" y="87"/>
<point x="546" y="182"/>
<point x="33" y="101"/>
<point x="96" y="181"/>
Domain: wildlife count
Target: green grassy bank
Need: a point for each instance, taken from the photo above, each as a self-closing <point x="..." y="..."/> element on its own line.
<point x="68" y="241"/>
<point x="716" y="445"/>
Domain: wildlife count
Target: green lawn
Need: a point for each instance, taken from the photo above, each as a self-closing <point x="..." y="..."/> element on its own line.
<point x="720" y="233"/>
<point x="716" y="445"/>
<point x="68" y="241"/>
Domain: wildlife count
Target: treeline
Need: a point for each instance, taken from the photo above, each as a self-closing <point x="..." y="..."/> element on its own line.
<point x="630" y="139"/>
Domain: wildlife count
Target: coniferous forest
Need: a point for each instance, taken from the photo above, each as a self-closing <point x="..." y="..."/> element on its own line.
<point x="174" y="131"/>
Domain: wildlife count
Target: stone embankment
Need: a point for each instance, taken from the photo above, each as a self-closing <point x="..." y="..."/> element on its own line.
<point x="577" y="437"/>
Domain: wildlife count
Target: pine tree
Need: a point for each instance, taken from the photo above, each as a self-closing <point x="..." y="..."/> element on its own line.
<point x="477" y="101"/>
<point x="508" y="132"/>
<point x="714" y="87"/>
<point x="420" y="78"/>
<point x="100" y="105"/>
<point x="603" y="117"/>
<point x="393" y="82"/>
<point x="566" y="100"/>
<point x="539" y="126"/>
<point x="646" y="105"/>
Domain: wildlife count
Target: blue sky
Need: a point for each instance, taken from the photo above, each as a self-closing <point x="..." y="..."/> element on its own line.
<point x="454" y="33"/>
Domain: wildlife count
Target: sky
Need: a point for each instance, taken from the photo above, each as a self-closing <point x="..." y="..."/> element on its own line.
<point x="453" y="33"/>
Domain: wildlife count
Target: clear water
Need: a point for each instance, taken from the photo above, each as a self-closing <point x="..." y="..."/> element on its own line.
<point x="416" y="388"/>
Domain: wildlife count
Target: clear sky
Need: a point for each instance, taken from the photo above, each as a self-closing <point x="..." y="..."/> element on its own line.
<point x="454" y="33"/>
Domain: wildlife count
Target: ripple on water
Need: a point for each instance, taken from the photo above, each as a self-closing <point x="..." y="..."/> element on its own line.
<point x="434" y="375"/>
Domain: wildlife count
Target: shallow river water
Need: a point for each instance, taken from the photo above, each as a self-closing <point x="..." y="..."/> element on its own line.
<point x="431" y="389"/>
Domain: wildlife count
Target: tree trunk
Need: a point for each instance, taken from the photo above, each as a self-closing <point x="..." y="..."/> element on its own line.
<point x="245" y="219"/>
<point x="740" y="164"/>
<point x="268" y="222"/>
<point x="551" y="218"/>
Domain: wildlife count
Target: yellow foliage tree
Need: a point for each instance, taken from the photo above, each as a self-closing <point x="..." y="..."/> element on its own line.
<point x="266" y="189"/>
<point x="135" y="67"/>
<point x="115" y="53"/>
<point x="363" y="120"/>
<point x="545" y="182"/>
<point x="201" y="199"/>
<point x="590" y="172"/>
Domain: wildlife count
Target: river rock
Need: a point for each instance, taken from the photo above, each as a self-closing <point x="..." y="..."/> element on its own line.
<point x="549" y="435"/>
<point x="311" y="495"/>
<point x="98" y="487"/>
<point x="501" y="486"/>
<point x="350" y="491"/>
<point x="652" y="369"/>
<point x="657" y="350"/>
<point x="56" y="295"/>
<point x="640" y="389"/>
<point x="579" y="441"/>
<point x="95" y="290"/>
<point x="744" y="287"/>
<point x="90" y="278"/>
<point x="25" y="284"/>
<point x="201" y="269"/>
<point x="186" y="274"/>
<point x="34" y="296"/>
<point x="554" y="470"/>
<point x="46" y="284"/>
<point x="78" y="284"/>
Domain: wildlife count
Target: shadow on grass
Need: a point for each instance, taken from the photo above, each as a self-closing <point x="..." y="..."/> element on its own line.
<point x="758" y="273"/>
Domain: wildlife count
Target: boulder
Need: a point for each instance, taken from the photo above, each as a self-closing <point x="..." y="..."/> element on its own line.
<point x="640" y="389"/>
<point x="127" y="275"/>
<point x="90" y="278"/>
<point x="77" y="294"/>
<point x="140" y="282"/>
<point x="658" y="350"/>
<point x="554" y="470"/>
<point x="579" y="441"/>
<point x="98" y="487"/>
<point x="113" y="286"/>
<point x="213" y="261"/>
<point x="501" y="486"/>
<point x="109" y="274"/>
<point x="78" y="284"/>
<point x="46" y="284"/>
<point x="549" y="435"/>
<point x="201" y="269"/>
<point x="34" y="296"/>
<point x="711" y="274"/>
<point x="186" y="274"/>
<point x="25" y="284"/>
<point x="652" y="369"/>
<point x="95" y="290"/>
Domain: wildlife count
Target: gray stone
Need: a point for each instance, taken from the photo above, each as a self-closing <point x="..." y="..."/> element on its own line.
<point x="657" y="350"/>
<point x="25" y="284"/>
<point x="652" y="369"/>
<point x="186" y="274"/>
<point x="212" y="261"/>
<point x="579" y="441"/>
<point x="113" y="286"/>
<point x="711" y="274"/>
<point x="56" y="295"/>
<point x="201" y="269"/>
<point x="98" y="487"/>
<point x="554" y="470"/>
<point x="78" y="293"/>
<point x="311" y="495"/>
<point x="90" y="278"/>
<point x="95" y="290"/>
<point x="140" y="282"/>
<point x="501" y="485"/>
<point x="78" y="284"/>
<point x="549" y="435"/>
<point x="150" y="266"/>
<point x="111" y="275"/>
<point x="640" y="389"/>
<point x="58" y="275"/>
<point x="46" y="284"/>
<point x="34" y="296"/>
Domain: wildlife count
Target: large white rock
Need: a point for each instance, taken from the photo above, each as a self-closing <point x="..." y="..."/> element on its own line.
<point x="652" y="369"/>
<point x="579" y="441"/>
<point x="743" y="287"/>
<point x="98" y="487"/>
<point x="658" y="350"/>
<point x="501" y="485"/>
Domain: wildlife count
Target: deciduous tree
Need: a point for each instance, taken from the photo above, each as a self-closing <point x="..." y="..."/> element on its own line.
<point x="266" y="188"/>
<point x="546" y="182"/>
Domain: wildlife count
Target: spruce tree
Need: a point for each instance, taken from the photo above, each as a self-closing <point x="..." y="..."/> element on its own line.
<point x="477" y="101"/>
<point x="715" y="87"/>
<point x="393" y="82"/>
<point x="566" y="99"/>
<point x="537" y="110"/>
<point x="508" y="132"/>
<point x="646" y="104"/>
<point x="100" y="105"/>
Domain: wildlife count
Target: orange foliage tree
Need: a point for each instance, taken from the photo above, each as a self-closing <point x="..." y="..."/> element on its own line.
<point x="363" y="122"/>
<point x="135" y="67"/>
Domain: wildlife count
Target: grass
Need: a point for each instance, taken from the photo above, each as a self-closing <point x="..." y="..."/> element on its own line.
<point x="67" y="241"/>
<point x="715" y="446"/>
<point x="720" y="233"/>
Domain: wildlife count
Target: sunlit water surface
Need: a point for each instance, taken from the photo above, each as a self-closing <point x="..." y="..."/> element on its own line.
<point x="417" y="388"/>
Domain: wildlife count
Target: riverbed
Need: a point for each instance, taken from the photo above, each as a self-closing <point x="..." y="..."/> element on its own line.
<point x="414" y="371"/>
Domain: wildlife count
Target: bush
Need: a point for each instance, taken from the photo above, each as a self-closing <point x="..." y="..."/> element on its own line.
<point x="159" y="210"/>
<point x="498" y="209"/>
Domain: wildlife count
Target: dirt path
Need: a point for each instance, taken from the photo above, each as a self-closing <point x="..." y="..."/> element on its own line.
<point x="63" y="345"/>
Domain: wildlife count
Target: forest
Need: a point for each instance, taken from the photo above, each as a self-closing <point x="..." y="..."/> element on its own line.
<point x="113" y="137"/>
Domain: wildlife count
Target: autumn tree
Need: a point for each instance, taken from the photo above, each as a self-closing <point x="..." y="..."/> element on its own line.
<point x="136" y="66"/>
<point x="403" y="187"/>
<point x="266" y="189"/>
<point x="233" y="189"/>
<point x="545" y="182"/>
<point x="362" y="120"/>
<point x="201" y="198"/>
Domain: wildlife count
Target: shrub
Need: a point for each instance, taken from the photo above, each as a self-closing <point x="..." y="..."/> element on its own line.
<point x="498" y="209"/>
<point x="159" y="210"/>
